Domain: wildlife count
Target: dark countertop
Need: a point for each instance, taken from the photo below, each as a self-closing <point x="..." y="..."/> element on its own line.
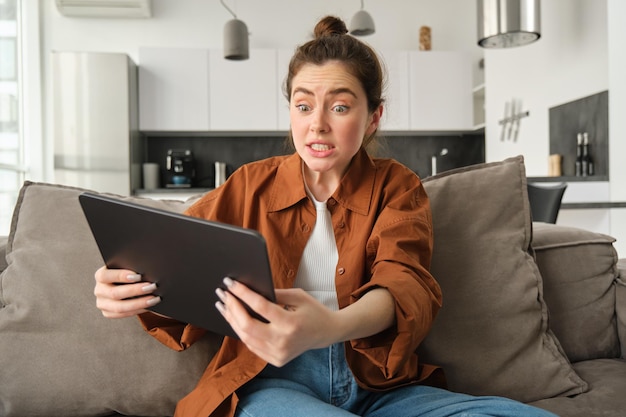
<point x="595" y="205"/>
<point x="569" y="179"/>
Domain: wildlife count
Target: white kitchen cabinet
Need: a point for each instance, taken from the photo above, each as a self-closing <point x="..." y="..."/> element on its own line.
<point x="198" y="90"/>
<point x="440" y="89"/>
<point x="174" y="89"/>
<point x="396" y="107"/>
<point x="284" y="56"/>
<point x="243" y="94"/>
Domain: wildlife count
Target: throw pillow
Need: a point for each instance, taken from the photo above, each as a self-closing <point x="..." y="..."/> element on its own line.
<point x="491" y="336"/>
<point x="58" y="355"/>
<point x="3" y="245"/>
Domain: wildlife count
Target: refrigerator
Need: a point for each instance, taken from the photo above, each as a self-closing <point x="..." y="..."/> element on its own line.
<point x="97" y="144"/>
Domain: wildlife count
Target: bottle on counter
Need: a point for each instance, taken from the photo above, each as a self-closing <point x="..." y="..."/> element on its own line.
<point x="587" y="164"/>
<point x="579" y="155"/>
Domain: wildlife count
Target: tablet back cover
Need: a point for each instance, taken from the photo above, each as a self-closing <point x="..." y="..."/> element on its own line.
<point x="186" y="257"/>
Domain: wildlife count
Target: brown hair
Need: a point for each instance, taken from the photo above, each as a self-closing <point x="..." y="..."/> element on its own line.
<point x="332" y="43"/>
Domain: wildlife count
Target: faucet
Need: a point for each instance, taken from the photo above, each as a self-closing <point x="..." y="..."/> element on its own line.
<point x="433" y="160"/>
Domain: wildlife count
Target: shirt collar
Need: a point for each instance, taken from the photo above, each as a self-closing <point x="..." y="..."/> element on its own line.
<point x="354" y="191"/>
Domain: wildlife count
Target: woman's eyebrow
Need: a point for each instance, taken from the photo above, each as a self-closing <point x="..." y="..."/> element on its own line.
<point x="343" y="90"/>
<point x="302" y="90"/>
<point x="334" y="92"/>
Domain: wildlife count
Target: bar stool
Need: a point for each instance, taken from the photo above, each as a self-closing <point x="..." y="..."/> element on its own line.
<point x="545" y="201"/>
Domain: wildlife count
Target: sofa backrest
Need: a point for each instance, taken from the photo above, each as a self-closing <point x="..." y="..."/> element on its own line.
<point x="55" y="345"/>
<point x="579" y="270"/>
<point x="620" y="304"/>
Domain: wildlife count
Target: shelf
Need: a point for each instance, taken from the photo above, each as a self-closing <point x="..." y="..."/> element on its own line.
<point x="479" y="127"/>
<point x="479" y="90"/>
<point x="478" y="98"/>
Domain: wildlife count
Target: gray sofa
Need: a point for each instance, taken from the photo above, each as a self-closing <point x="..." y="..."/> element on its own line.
<point x="532" y="311"/>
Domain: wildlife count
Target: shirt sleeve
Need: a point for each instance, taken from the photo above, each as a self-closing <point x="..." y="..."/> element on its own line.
<point x="400" y="248"/>
<point x="172" y="333"/>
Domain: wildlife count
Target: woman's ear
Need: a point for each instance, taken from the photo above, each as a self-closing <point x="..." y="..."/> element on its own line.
<point x="374" y="120"/>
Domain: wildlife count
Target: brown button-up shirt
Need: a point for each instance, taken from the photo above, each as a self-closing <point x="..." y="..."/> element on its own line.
<point x="383" y="228"/>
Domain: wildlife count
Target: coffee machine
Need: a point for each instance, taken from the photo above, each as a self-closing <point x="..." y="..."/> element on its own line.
<point x="180" y="167"/>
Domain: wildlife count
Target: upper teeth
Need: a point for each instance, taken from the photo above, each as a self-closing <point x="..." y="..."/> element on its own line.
<point x="320" y="147"/>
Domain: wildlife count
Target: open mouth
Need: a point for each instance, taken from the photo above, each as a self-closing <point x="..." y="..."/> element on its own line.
<point x="320" y="147"/>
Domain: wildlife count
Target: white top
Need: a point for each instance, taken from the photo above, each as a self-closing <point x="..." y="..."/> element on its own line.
<point x="316" y="273"/>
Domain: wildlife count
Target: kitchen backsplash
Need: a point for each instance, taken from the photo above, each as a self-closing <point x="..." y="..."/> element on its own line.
<point x="416" y="152"/>
<point x="589" y="114"/>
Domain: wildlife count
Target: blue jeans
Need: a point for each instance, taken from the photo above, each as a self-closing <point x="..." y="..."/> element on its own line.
<point x="319" y="383"/>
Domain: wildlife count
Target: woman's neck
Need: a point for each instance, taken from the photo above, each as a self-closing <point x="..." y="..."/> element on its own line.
<point x="321" y="185"/>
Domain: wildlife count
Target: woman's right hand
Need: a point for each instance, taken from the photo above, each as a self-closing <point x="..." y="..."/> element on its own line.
<point x="121" y="293"/>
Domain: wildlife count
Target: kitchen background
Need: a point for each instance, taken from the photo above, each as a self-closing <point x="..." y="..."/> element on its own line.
<point x="580" y="54"/>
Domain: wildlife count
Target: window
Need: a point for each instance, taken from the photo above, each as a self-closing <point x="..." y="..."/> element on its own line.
<point x="12" y="170"/>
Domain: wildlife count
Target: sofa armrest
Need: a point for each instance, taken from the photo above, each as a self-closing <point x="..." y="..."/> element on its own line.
<point x="3" y="251"/>
<point x="620" y="304"/>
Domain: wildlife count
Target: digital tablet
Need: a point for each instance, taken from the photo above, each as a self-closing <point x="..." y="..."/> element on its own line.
<point x="185" y="256"/>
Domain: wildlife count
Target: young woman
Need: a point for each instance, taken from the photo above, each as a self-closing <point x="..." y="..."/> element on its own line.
<point x="349" y="240"/>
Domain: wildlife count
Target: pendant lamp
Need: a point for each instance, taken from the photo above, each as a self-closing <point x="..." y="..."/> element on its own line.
<point x="508" y="23"/>
<point x="235" y="38"/>
<point x="362" y="23"/>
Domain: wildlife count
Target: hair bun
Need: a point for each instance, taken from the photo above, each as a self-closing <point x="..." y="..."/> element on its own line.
<point x="330" y="25"/>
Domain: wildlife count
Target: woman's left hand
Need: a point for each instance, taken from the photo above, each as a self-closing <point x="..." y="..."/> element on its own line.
<point x="297" y="322"/>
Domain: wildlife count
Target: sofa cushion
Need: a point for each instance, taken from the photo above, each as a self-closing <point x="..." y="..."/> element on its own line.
<point x="579" y="272"/>
<point x="607" y="384"/>
<point x="58" y="355"/>
<point x="491" y="336"/>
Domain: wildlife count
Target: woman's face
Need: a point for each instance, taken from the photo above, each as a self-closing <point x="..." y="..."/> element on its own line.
<point x="329" y="117"/>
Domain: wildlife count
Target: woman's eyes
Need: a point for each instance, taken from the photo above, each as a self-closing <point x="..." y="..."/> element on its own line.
<point x="337" y="109"/>
<point x="302" y="107"/>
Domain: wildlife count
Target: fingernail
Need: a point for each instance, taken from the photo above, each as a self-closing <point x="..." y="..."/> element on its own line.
<point x="220" y="307"/>
<point x="220" y="293"/>
<point x="228" y="282"/>
<point x="149" y="287"/>
<point x="153" y="301"/>
<point x="133" y="277"/>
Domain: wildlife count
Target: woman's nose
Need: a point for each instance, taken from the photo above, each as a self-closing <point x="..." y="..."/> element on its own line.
<point x="318" y="122"/>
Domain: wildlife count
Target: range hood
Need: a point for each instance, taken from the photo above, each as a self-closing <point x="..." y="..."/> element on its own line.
<point x="105" y="8"/>
<point x="508" y="23"/>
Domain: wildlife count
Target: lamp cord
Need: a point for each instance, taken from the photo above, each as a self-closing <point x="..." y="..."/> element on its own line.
<point x="228" y="8"/>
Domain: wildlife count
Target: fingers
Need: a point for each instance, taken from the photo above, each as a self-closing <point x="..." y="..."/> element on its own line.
<point x="121" y="293"/>
<point x="256" y="302"/>
<point x="233" y="304"/>
<point x="125" y="308"/>
<point x="116" y="276"/>
<point x="297" y="322"/>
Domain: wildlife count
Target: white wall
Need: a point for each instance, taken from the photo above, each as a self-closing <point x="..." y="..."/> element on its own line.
<point x="272" y="24"/>
<point x="568" y="62"/>
<point x="581" y="52"/>
<point x="617" y="121"/>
